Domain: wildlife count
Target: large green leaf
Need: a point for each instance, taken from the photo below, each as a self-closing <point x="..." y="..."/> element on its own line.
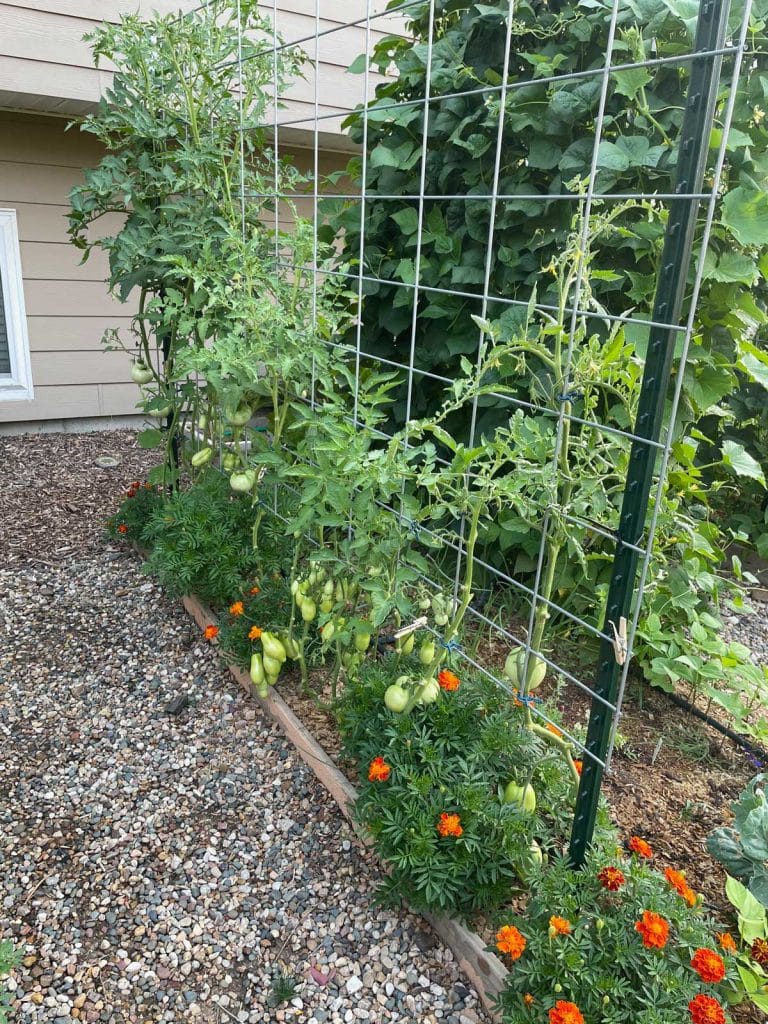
<point x="738" y="459"/>
<point x="745" y="212"/>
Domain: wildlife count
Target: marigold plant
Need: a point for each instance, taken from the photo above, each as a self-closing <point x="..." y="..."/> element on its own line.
<point x="378" y="770"/>
<point x="635" y="952"/>
<point x="708" y="965"/>
<point x="447" y="680"/>
<point x="564" y="1012"/>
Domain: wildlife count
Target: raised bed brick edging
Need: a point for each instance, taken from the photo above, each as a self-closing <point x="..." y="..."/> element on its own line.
<point x="484" y="970"/>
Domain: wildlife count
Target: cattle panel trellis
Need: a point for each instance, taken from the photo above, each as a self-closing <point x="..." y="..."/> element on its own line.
<point x="690" y="204"/>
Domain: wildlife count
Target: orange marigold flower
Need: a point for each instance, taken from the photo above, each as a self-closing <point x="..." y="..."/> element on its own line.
<point x="122" y="528"/>
<point x="611" y="878"/>
<point x="255" y="590"/>
<point x="254" y="633"/>
<point x="450" y="825"/>
<point x="528" y="999"/>
<point x="677" y="880"/>
<point x="510" y="941"/>
<point x="565" y="1013"/>
<point x="640" y="847"/>
<point x="708" y="965"/>
<point x="135" y="484"/>
<point x="553" y="729"/>
<point x="653" y="929"/>
<point x="578" y="764"/>
<point x="725" y="941"/>
<point x="706" y="1010"/>
<point x="447" y="680"/>
<point x="759" y="951"/>
<point x="378" y="770"/>
<point x="210" y="632"/>
<point x="237" y="608"/>
<point x="559" y="926"/>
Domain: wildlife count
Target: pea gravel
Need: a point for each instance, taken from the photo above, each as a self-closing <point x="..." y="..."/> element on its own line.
<point x="158" y="867"/>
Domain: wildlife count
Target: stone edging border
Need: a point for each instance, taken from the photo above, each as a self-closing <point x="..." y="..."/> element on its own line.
<point x="485" y="971"/>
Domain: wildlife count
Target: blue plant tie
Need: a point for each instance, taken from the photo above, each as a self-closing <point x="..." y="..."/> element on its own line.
<point x="569" y="396"/>
<point x="450" y="645"/>
<point x="528" y="699"/>
<point x="413" y="528"/>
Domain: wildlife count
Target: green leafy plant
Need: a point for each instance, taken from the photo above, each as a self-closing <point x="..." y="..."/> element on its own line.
<point x="263" y="607"/>
<point x="282" y="988"/>
<point x="182" y="126"/>
<point x="136" y="508"/>
<point x="743" y="849"/>
<point x="752" y="959"/>
<point x="615" y="942"/>
<point x="9" y="958"/>
<point x="200" y="543"/>
<point x="435" y="791"/>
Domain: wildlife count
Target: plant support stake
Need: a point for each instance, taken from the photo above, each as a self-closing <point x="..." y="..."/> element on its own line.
<point x="668" y="301"/>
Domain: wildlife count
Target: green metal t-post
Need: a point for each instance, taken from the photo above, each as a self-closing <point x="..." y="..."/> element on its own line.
<point x="670" y="289"/>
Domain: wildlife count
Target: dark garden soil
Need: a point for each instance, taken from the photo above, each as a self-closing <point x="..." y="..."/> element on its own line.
<point x="672" y="779"/>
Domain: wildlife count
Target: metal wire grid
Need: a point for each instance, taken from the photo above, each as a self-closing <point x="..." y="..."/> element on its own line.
<point x="576" y="312"/>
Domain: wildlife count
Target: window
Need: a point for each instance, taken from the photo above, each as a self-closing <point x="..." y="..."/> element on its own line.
<point x="15" y="369"/>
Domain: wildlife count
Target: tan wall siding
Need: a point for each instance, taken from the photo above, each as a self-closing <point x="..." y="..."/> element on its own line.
<point x="68" y="308"/>
<point x="46" y="66"/>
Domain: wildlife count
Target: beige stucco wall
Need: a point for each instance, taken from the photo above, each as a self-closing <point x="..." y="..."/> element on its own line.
<point x="68" y="308"/>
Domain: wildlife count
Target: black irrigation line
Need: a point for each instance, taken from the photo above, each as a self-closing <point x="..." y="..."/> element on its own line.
<point x="741" y="741"/>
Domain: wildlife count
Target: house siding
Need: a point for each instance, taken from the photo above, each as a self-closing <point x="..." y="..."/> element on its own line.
<point x="46" y="69"/>
<point x="68" y="306"/>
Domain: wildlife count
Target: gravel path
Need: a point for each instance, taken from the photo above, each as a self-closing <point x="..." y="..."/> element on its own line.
<point x="155" y="867"/>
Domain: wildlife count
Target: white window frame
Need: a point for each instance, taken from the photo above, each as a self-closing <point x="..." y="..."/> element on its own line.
<point x="16" y="387"/>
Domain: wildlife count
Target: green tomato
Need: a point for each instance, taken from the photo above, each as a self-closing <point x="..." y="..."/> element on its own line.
<point x="273" y="647"/>
<point x="308" y="609"/>
<point x="239" y="415"/>
<point x="243" y="482"/>
<point x="431" y="691"/>
<point x="162" y="412"/>
<point x="272" y="667"/>
<point x="396" y="698"/>
<point x="257" y="670"/>
<point x="263" y="690"/>
<point x="327" y="631"/>
<point x="406" y="644"/>
<point x="514" y="665"/>
<point x="427" y="652"/>
<point x="141" y="373"/>
<point x="326" y="605"/>
<point x="202" y="457"/>
<point x="229" y="461"/>
<point x="362" y="642"/>
<point x="523" y="797"/>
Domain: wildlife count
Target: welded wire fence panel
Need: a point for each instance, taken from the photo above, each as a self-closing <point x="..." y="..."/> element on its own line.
<point x="399" y="260"/>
